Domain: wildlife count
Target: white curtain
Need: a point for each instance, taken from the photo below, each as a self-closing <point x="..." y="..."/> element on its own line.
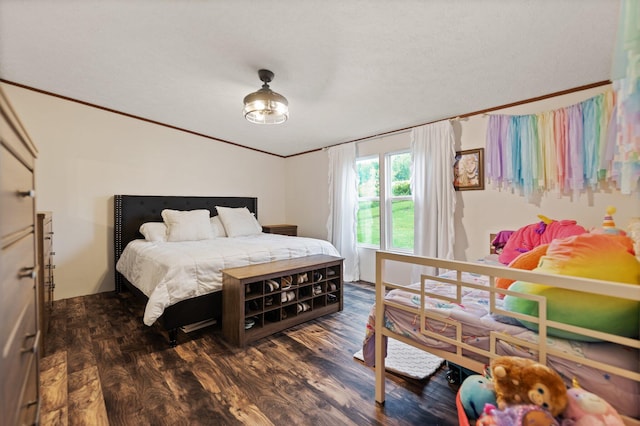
<point x="433" y="154"/>
<point x="343" y="206"/>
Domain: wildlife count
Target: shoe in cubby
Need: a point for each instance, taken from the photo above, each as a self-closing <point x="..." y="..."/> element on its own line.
<point x="253" y="289"/>
<point x="288" y="296"/>
<point x="271" y="285"/>
<point x="286" y="282"/>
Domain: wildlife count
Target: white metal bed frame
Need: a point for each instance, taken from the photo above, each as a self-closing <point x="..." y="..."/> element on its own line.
<point x="605" y="288"/>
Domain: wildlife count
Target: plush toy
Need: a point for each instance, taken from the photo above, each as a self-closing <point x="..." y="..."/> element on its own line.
<point x="475" y="392"/>
<point x="517" y="415"/>
<point x="526" y="261"/>
<point x="587" y="409"/>
<point x="598" y="256"/>
<point x="523" y="381"/>
<point x="531" y="236"/>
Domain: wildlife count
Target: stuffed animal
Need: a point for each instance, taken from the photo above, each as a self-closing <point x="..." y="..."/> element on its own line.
<point x="517" y="415"/>
<point x="531" y="236"/>
<point x="475" y="392"/>
<point x="523" y="381"/>
<point x="527" y="261"/>
<point x="587" y="409"/>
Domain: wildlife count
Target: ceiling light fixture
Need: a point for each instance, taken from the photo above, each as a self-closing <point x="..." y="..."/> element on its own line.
<point x="266" y="106"/>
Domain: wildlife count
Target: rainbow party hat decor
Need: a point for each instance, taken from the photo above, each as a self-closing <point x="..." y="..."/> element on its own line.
<point x="608" y="225"/>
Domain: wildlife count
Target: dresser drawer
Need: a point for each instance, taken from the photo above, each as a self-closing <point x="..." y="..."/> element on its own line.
<point x="19" y="355"/>
<point x="16" y="180"/>
<point x="9" y="137"/>
<point x="29" y="405"/>
<point x="17" y="285"/>
<point x="48" y="270"/>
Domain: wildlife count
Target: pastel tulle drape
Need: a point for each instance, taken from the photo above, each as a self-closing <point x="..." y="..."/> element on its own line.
<point x="433" y="155"/>
<point x="566" y="150"/>
<point x="625" y="159"/>
<point x="582" y="146"/>
<point x="343" y="207"/>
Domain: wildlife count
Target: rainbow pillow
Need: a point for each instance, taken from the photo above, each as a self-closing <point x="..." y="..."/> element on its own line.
<point x="597" y="256"/>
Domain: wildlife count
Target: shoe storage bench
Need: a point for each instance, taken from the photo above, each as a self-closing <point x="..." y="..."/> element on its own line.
<point x="262" y="299"/>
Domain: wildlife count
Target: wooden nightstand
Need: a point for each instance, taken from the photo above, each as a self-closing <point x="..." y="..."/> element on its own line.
<point x="281" y="229"/>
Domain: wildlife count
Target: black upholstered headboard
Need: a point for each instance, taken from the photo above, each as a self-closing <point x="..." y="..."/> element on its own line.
<point x="131" y="211"/>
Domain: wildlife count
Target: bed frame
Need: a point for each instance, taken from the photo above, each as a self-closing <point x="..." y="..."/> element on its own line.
<point x="131" y="211"/>
<point x="383" y="259"/>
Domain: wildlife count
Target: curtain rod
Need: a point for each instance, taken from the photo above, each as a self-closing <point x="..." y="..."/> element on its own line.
<point x="471" y="114"/>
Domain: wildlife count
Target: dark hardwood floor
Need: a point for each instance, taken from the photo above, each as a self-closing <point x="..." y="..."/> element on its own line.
<point x="304" y="375"/>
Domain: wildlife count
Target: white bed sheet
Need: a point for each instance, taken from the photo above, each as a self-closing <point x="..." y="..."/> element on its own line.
<point x="169" y="272"/>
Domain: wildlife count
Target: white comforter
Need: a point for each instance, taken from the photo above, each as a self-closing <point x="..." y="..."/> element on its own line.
<point x="169" y="272"/>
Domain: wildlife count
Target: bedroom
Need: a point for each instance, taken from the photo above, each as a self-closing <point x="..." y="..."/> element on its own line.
<point x="86" y="155"/>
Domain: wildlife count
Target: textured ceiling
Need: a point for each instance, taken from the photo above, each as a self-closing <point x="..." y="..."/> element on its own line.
<point x="349" y="68"/>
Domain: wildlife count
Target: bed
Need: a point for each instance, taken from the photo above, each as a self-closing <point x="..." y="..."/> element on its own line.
<point x="459" y="316"/>
<point x="180" y="282"/>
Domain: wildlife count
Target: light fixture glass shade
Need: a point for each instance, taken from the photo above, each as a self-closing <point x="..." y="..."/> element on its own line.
<point x="266" y="106"/>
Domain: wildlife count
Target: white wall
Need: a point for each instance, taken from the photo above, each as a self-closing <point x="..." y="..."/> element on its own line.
<point x="478" y="213"/>
<point x="307" y="193"/>
<point x="86" y="155"/>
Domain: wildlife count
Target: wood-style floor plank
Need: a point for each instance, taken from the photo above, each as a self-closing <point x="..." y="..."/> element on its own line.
<point x="53" y="379"/>
<point x="86" y="402"/>
<point x="304" y="375"/>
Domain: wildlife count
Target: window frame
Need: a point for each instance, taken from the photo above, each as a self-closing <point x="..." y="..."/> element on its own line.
<point x="385" y="200"/>
<point x="371" y="199"/>
<point x="388" y="203"/>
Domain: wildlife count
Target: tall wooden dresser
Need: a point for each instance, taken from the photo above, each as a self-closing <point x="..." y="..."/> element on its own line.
<point x="46" y="282"/>
<point x="19" y="335"/>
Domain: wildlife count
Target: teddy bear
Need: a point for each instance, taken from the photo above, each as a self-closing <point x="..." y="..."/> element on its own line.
<point x="588" y="409"/>
<point x="523" y="381"/>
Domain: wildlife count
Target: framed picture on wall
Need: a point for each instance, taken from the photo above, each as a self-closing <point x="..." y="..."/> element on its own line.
<point x="468" y="170"/>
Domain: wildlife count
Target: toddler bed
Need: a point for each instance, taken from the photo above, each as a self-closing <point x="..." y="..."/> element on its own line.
<point x="459" y="315"/>
<point x="180" y="281"/>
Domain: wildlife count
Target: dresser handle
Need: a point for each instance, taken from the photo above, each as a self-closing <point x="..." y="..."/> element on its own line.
<point x="52" y="253"/>
<point x="33" y="347"/>
<point x="28" y="272"/>
<point x="30" y="193"/>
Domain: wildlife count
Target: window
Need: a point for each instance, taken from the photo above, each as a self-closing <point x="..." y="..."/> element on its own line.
<point x="368" y="201"/>
<point x="399" y="202"/>
<point x="393" y="187"/>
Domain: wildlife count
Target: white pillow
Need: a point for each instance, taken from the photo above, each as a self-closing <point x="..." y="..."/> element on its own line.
<point x="217" y="228"/>
<point x="187" y="225"/>
<point x="238" y="221"/>
<point x="154" y="231"/>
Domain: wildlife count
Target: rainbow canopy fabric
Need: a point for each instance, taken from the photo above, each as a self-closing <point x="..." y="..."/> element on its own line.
<point x="590" y="144"/>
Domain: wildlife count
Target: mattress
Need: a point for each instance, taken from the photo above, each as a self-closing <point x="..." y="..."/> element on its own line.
<point x="477" y="322"/>
<point x="169" y="272"/>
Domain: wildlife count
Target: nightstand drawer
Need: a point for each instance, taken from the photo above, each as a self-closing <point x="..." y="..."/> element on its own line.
<point x="291" y="230"/>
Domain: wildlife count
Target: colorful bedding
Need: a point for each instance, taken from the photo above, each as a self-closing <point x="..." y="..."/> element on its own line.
<point x="477" y="321"/>
<point x="169" y="272"/>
